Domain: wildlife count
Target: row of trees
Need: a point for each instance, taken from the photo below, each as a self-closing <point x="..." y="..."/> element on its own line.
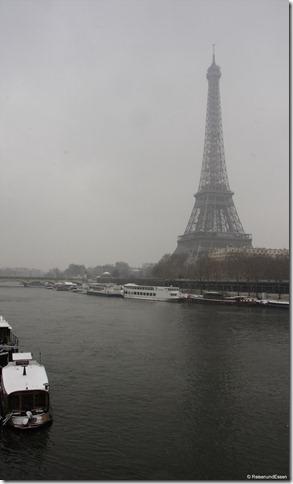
<point x="118" y="270"/>
<point x="239" y="267"/>
<point x="236" y="267"/>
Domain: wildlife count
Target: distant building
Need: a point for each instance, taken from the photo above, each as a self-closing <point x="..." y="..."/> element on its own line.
<point x="214" y="221"/>
<point x="224" y="253"/>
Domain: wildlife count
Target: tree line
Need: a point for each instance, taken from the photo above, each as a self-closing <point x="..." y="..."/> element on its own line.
<point x="117" y="270"/>
<point x="237" y="267"/>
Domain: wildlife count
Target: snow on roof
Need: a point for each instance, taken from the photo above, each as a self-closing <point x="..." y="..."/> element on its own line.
<point x="13" y="379"/>
<point x="22" y="356"/>
<point x="66" y="283"/>
<point x="3" y="323"/>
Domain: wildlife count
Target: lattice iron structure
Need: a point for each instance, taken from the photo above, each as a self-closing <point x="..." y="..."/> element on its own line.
<point x="214" y="221"/>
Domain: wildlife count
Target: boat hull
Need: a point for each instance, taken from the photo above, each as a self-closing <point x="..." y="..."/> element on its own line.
<point x="278" y="305"/>
<point x="103" y="294"/>
<point x="21" y="422"/>
<point x="154" y="299"/>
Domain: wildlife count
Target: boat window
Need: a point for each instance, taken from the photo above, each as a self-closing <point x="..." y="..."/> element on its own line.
<point x="27" y="401"/>
<point x="40" y="400"/>
<point x="14" y="402"/>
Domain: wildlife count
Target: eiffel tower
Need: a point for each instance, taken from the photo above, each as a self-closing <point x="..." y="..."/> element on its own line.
<point x="214" y="222"/>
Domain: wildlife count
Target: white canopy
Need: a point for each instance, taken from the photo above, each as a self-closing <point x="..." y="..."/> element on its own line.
<point x="22" y="357"/>
<point x="16" y="378"/>
<point x="3" y="323"/>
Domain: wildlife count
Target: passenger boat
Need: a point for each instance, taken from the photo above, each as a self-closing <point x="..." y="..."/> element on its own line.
<point x="65" y="286"/>
<point x="152" y="293"/>
<point x="24" y="392"/>
<point x="214" y="297"/>
<point x="8" y="342"/>
<point x="35" y="284"/>
<point x="210" y="297"/>
<point x="278" y="304"/>
<point x="108" y="290"/>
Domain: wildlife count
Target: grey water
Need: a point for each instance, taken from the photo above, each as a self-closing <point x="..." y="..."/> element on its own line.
<point x="151" y="391"/>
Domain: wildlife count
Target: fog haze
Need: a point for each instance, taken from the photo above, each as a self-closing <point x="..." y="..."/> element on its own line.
<point x="102" y="120"/>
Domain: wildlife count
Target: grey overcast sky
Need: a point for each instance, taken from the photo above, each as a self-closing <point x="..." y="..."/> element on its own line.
<point x="102" y="119"/>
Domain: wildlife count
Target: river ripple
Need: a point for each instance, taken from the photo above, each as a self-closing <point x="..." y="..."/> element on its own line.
<point x="145" y="390"/>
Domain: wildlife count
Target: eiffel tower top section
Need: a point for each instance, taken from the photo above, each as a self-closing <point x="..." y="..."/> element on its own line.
<point x="214" y="174"/>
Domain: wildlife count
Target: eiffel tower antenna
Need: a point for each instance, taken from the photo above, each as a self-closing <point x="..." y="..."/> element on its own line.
<point x="214" y="54"/>
<point x="214" y="221"/>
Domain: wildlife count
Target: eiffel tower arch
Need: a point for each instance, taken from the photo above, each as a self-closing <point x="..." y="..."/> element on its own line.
<point x="214" y="221"/>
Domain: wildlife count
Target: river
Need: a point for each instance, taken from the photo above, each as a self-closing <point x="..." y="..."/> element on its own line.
<point x="150" y="390"/>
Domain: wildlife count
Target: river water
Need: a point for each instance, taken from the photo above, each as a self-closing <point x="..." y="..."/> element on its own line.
<point x="143" y="390"/>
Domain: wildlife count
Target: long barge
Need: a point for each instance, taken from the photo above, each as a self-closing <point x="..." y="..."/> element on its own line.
<point x="213" y="297"/>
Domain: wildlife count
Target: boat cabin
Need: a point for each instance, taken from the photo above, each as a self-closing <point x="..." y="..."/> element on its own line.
<point x="152" y="293"/>
<point x="25" y="392"/>
<point x="8" y="342"/>
<point x="5" y="331"/>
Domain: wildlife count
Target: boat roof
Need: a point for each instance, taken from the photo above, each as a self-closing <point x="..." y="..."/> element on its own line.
<point x="14" y="379"/>
<point x="4" y="324"/>
<point x="142" y="286"/>
<point x="66" y="283"/>
<point x="285" y="303"/>
<point x="22" y="357"/>
<point x="169" y="288"/>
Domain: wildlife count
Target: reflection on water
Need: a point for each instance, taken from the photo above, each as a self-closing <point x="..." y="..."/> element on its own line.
<point x="145" y="390"/>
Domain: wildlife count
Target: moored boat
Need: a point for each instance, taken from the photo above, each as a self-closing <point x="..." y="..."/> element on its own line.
<point x="278" y="304"/>
<point x="24" y="393"/>
<point x="8" y="342"/>
<point x="209" y="297"/>
<point x="108" y="290"/>
<point x="65" y="286"/>
<point x="214" y="297"/>
<point x="33" y="284"/>
<point x="152" y="293"/>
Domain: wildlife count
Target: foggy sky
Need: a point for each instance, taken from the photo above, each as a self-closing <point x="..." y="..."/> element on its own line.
<point x="102" y="120"/>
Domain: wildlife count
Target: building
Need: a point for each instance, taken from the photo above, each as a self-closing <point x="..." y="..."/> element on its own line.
<point x="214" y="222"/>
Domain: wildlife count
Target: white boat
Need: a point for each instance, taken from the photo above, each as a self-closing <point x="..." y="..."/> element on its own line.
<point x="152" y="293"/>
<point x="108" y="290"/>
<point x="8" y="342"/>
<point x="24" y="393"/>
<point x="278" y="304"/>
<point x="65" y="286"/>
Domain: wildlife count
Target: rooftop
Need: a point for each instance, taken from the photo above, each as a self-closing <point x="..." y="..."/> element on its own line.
<point x="3" y="323"/>
<point x="17" y="378"/>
